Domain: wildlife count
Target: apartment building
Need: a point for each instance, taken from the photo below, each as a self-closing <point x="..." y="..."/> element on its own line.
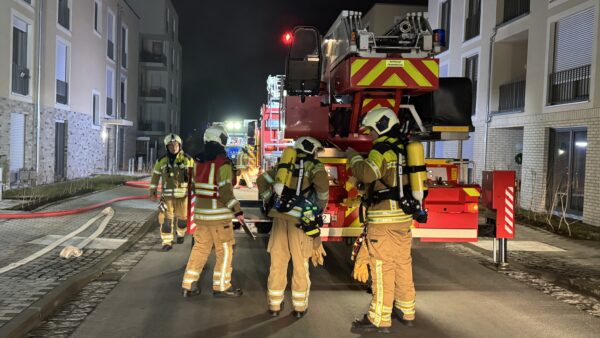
<point x="69" y="106"/>
<point x="160" y="76"/>
<point x="534" y="66"/>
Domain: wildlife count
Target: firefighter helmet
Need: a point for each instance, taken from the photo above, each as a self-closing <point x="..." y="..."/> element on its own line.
<point x="172" y="138"/>
<point x="307" y="144"/>
<point x="216" y="134"/>
<point x="381" y="120"/>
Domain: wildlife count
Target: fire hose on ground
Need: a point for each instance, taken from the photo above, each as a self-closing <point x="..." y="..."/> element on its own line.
<point x="44" y="214"/>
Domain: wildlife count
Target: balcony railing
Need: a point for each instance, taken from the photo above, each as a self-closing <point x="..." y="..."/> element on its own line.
<point x="62" y="92"/>
<point x="110" y="50"/>
<point x="514" y="8"/>
<point x="109" y="106"/>
<point x="146" y="56"/>
<point x="154" y="92"/>
<point x="571" y="85"/>
<point x="151" y="125"/>
<point x="472" y="26"/>
<point x="512" y="97"/>
<point x="63" y="13"/>
<point x="20" y="79"/>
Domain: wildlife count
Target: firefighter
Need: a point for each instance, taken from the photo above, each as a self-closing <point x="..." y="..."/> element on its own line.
<point x="243" y="167"/>
<point x="214" y="208"/>
<point x="302" y="188"/>
<point x="390" y="211"/>
<point x="173" y="169"/>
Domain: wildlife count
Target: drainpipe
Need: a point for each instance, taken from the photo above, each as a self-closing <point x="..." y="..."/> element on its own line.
<point x="488" y="117"/>
<point x="38" y="100"/>
<point x="118" y="97"/>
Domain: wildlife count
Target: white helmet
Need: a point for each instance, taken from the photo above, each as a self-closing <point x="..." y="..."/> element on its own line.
<point x="307" y="144"/>
<point x="380" y="120"/>
<point x="216" y="134"/>
<point x="172" y="138"/>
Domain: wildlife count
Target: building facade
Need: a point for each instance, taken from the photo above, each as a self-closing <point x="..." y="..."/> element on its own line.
<point x="69" y="107"/>
<point x="160" y="76"/>
<point x="534" y="66"/>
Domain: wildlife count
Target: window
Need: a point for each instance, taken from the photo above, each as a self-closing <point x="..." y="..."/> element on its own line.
<point x="445" y="20"/>
<point x="568" y="148"/>
<point x="123" y="96"/>
<point x="167" y="15"/>
<point x="20" y="57"/>
<point x="172" y="90"/>
<point x="97" y="17"/>
<point x="471" y="64"/>
<point x="473" y="17"/>
<point x="174" y="29"/>
<point x="569" y="80"/>
<point x="110" y="91"/>
<point x="124" y="44"/>
<point x="62" y="73"/>
<point x="64" y="14"/>
<point x="172" y="58"/>
<point x="514" y="9"/>
<point x="110" y="35"/>
<point x="27" y="1"/>
<point x="96" y="108"/>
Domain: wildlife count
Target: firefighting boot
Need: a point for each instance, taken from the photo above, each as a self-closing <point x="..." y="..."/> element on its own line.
<point x="229" y="293"/>
<point x="180" y="240"/>
<point x="407" y="320"/>
<point x="299" y="314"/>
<point x="275" y="313"/>
<point x="193" y="291"/>
<point x="365" y="325"/>
<point x="167" y="247"/>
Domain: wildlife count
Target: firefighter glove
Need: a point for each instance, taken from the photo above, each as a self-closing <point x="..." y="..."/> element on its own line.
<point x="318" y="255"/>
<point x="361" y="271"/>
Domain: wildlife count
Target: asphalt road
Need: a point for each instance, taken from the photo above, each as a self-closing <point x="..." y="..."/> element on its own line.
<point x="456" y="297"/>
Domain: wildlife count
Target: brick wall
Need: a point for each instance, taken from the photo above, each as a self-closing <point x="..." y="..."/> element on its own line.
<point x="8" y="106"/>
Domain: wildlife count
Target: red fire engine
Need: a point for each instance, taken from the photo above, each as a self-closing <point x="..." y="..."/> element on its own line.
<point x="331" y="81"/>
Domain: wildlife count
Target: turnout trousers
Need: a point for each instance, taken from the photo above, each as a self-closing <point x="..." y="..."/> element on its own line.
<point x="174" y="220"/>
<point x="287" y="241"/>
<point x="390" y="263"/>
<point x="208" y="234"/>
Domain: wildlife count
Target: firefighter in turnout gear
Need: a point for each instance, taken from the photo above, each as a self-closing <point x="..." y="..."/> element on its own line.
<point x="390" y="211"/>
<point x="173" y="170"/>
<point x="302" y="188"/>
<point x="215" y="207"/>
<point x="243" y="167"/>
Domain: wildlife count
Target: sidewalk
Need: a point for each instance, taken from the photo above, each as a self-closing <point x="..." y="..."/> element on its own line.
<point x="23" y="290"/>
<point x="573" y="264"/>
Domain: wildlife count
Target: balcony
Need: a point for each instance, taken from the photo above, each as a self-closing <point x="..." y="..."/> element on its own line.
<point x="62" y="92"/>
<point x="513" y="9"/>
<point x="157" y="94"/>
<point x="20" y="79"/>
<point x="571" y="85"/>
<point x="151" y="126"/>
<point x="512" y="97"/>
<point x="149" y="57"/>
<point x="472" y="26"/>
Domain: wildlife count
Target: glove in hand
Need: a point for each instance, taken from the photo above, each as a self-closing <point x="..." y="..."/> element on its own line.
<point x="361" y="272"/>
<point x="318" y="255"/>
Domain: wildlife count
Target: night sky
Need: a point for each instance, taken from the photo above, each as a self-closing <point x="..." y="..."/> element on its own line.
<point x="230" y="47"/>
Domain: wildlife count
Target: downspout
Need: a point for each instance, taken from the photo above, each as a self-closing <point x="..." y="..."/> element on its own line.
<point x="118" y="97"/>
<point x="488" y="117"/>
<point x="38" y="100"/>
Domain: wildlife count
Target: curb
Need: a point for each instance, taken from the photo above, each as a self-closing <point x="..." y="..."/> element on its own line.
<point x="32" y="317"/>
<point x="570" y="284"/>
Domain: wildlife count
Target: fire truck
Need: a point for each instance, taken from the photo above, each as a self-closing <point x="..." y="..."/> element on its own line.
<point x="332" y="80"/>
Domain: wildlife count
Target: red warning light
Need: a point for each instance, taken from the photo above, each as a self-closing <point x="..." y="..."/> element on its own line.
<point x="287" y="38"/>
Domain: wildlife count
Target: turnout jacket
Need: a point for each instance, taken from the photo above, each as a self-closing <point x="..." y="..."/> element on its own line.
<point x="212" y="182"/>
<point x="315" y="177"/>
<point x="174" y="176"/>
<point x="378" y="170"/>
